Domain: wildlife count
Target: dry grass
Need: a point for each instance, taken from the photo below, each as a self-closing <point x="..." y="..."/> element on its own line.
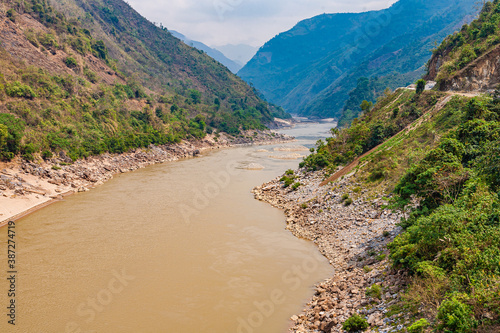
<point x="424" y="296"/>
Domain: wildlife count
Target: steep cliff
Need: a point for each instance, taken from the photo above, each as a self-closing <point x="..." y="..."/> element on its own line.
<point x="469" y="59"/>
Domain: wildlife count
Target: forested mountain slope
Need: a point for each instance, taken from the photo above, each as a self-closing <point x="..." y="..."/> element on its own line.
<point x="86" y="77"/>
<point x="310" y="69"/>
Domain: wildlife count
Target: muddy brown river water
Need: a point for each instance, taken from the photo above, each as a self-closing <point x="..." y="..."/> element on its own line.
<point x="178" y="247"/>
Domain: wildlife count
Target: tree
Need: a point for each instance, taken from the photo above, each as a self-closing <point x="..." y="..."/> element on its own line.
<point x="366" y="106"/>
<point x="421" y="86"/>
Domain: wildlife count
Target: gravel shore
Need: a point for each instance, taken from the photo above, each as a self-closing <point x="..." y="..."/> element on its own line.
<point x="29" y="186"/>
<point x="351" y="228"/>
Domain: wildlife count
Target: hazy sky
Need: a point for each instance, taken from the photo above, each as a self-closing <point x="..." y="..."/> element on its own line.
<point x="253" y="22"/>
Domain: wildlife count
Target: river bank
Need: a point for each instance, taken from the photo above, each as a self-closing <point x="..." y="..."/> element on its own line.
<point x="351" y="228"/>
<point x="28" y="186"/>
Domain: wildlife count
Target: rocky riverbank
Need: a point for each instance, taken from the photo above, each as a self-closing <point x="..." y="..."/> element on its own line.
<point x="351" y="227"/>
<point x="27" y="186"/>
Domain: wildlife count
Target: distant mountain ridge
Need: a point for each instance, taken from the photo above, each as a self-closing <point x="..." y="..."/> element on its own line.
<point x="216" y="54"/>
<point x="310" y="69"/>
<point x="240" y="53"/>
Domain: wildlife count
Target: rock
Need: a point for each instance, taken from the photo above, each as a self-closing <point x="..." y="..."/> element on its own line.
<point x="374" y="319"/>
<point x="254" y="166"/>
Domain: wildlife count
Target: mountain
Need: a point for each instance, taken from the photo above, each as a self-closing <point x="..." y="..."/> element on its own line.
<point x="84" y="77"/>
<point x="240" y="53"/>
<point x="434" y="156"/>
<point x="310" y="69"/>
<point x="217" y="55"/>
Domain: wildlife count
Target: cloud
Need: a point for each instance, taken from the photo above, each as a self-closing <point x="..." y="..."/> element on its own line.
<point x="219" y="22"/>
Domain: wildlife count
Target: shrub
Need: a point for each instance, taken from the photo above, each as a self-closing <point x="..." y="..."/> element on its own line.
<point x="355" y="323"/>
<point x="386" y="233"/>
<point x="466" y="56"/>
<point x="289" y="172"/>
<point x="91" y="76"/>
<point x="296" y="186"/>
<point x="348" y="202"/>
<point x="48" y="40"/>
<point x="11" y="133"/>
<point x="421" y="86"/>
<point x="47" y="154"/>
<point x="419" y="326"/>
<point x="27" y="151"/>
<point x="303" y="206"/>
<point x="17" y="89"/>
<point x="11" y="14"/>
<point x="289" y="180"/>
<point x="71" y="62"/>
<point x="455" y="317"/>
<point x="345" y="196"/>
<point x="316" y="162"/>
<point x="374" y="291"/>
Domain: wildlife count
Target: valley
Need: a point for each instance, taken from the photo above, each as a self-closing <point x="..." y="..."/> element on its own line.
<point x="376" y="209"/>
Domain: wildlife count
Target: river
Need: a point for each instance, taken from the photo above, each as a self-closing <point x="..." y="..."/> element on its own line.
<point x="177" y="247"/>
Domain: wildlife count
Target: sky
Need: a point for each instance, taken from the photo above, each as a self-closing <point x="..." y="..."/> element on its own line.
<point x="251" y="22"/>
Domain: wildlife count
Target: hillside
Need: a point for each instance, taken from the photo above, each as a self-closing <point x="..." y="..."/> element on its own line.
<point x="217" y="55"/>
<point x="467" y="60"/>
<point x="87" y="77"/>
<point x="311" y="69"/>
<point x="405" y="203"/>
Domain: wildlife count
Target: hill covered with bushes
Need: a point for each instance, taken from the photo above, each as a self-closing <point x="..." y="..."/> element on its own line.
<point x="87" y="77"/>
<point x="436" y="153"/>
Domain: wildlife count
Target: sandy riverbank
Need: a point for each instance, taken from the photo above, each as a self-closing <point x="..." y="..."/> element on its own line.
<point x="353" y="238"/>
<point x="28" y="186"/>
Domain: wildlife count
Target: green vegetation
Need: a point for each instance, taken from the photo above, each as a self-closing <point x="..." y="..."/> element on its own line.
<point x="289" y="179"/>
<point x="472" y="41"/>
<point x="71" y="62"/>
<point x="163" y="91"/>
<point x="447" y="160"/>
<point x="355" y="323"/>
<point x="370" y="130"/>
<point x="454" y="234"/>
<point x="420" y="86"/>
<point x="419" y="326"/>
<point x="374" y="291"/>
